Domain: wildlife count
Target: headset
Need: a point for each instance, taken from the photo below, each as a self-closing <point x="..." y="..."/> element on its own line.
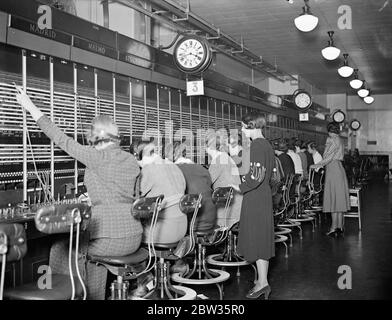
<point x="102" y="136"/>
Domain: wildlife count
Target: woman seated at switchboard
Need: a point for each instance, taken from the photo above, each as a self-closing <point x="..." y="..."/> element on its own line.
<point x="161" y="176"/>
<point x="110" y="178"/>
<point x="198" y="180"/>
<point x="224" y="173"/>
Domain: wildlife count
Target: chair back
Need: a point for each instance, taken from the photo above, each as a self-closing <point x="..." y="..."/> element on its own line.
<point x="222" y="196"/>
<point x="147" y="207"/>
<point x="13" y="247"/>
<point x="319" y="181"/>
<point x="284" y="190"/>
<point x="295" y="188"/>
<point x="190" y="204"/>
<point x="13" y="241"/>
<point x="60" y="218"/>
<point x="63" y="218"/>
<point x="312" y="173"/>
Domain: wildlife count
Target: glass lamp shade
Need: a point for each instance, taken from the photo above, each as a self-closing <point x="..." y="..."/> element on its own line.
<point x="363" y="93"/>
<point x="345" y="71"/>
<point x="356" y="83"/>
<point x="330" y="53"/>
<point x="306" y="22"/>
<point x="368" y="99"/>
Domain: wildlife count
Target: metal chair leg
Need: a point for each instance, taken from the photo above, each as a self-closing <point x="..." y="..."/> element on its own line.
<point x="300" y="231"/>
<point x="286" y="255"/>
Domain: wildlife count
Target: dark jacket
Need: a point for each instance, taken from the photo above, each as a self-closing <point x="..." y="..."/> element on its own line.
<point x="287" y="164"/>
<point x="309" y="157"/>
<point x="198" y="181"/>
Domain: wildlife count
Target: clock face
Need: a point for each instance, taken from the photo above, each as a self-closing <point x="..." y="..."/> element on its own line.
<point x="338" y="116"/>
<point x="302" y="100"/>
<point x="355" y="125"/>
<point x="192" y="55"/>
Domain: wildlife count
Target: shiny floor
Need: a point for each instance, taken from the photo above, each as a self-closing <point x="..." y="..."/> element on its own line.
<point x="311" y="269"/>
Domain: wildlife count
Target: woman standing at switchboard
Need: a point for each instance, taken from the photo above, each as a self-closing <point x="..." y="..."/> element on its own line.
<point x="336" y="193"/>
<point x="256" y="236"/>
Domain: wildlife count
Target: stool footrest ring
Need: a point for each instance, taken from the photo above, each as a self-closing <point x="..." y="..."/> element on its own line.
<point x="223" y="276"/>
<point x="212" y="259"/>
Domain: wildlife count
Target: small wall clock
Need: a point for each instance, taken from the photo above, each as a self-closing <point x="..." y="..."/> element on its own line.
<point x="338" y="116"/>
<point x="302" y="100"/>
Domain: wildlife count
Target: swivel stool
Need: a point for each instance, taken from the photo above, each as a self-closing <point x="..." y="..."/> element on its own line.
<point x="229" y="257"/>
<point x="200" y="273"/>
<point x="315" y="185"/>
<point x="296" y="204"/>
<point x="283" y="219"/>
<point x="282" y="234"/>
<point x="164" y="253"/>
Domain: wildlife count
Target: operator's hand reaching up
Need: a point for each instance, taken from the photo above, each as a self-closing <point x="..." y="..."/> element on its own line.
<point x="25" y="101"/>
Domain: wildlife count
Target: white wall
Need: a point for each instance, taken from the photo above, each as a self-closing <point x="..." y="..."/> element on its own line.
<point x="376" y="122"/>
<point x="90" y="10"/>
<point x="122" y="19"/>
<point x="282" y="88"/>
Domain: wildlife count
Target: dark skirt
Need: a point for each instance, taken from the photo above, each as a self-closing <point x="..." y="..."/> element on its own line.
<point x="256" y="236"/>
<point x="336" y="191"/>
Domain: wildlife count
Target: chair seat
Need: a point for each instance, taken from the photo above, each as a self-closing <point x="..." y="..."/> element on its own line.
<point x="203" y="233"/>
<point x="61" y="290"/>
<point x="165" y="246"/>
<point x="131" y="259"/>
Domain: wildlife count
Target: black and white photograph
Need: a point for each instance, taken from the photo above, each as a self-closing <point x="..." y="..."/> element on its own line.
<point x="217" y="152"/>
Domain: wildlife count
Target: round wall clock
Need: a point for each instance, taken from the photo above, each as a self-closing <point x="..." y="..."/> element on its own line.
<point x="302" y="99"/>
<point x="355" y="125"/>
<point x="192" y="54"/>
<point x="338" y="116"/>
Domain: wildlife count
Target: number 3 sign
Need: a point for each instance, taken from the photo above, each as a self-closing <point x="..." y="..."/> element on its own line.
<point x="195" y="88"/>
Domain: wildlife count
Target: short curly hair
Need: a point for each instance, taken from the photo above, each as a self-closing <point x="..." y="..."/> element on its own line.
<point x="333" y="127"/>
<point x="254" y="120"/>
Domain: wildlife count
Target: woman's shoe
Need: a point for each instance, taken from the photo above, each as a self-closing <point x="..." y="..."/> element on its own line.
<point x="182" y="268"/>
<point x="340" y="231"/>
<point x="252" y="294"/>
<point x="332" y="233"/>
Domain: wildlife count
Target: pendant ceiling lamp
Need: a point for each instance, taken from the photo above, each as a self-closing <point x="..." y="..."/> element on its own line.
<point x="363" y="92"/>
<point x="368" y="100"/>
<point x="345" y="71"/>
<point x="306" y="22"/>
<point x="330" y="52"/>
<point x="356" y="83"/>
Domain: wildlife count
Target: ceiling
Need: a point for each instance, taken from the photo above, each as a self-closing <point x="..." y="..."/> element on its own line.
<point x="268" y="30"/>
